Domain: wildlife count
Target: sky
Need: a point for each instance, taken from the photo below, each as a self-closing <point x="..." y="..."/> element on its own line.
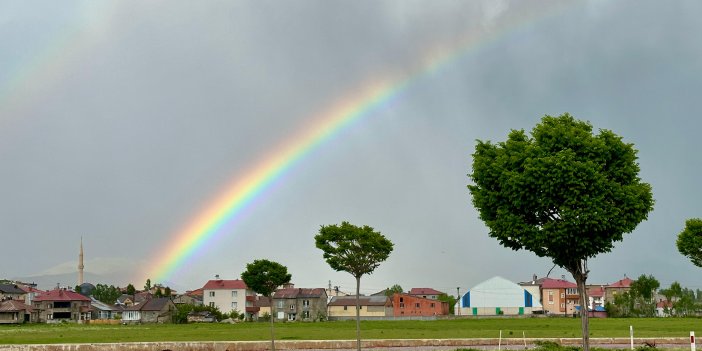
<point x="122" y="121"/>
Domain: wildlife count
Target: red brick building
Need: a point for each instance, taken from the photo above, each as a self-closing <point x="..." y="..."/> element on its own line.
<point x="406" y="305"/>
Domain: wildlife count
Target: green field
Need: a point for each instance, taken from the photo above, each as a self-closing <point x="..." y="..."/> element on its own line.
<point x="440" y="329"/>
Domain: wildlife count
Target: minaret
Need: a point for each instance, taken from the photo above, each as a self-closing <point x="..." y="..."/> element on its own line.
<point x="80" y="263"/>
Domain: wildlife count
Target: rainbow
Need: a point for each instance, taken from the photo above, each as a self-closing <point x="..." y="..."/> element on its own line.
<point x="19" y="90"/>
<point x="245" y="189"/>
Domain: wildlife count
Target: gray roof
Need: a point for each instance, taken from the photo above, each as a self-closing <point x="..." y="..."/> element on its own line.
<point x="11" y="289"/>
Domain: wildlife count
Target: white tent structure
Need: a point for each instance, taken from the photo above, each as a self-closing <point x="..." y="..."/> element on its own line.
<point x="498" y="296"/>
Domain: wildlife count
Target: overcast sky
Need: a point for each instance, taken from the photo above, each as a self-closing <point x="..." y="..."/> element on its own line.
<point x="121" y="120"/>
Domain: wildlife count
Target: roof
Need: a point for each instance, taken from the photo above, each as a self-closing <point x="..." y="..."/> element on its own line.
<point x="262" y="302"/>
<point x="13" y="306"/>
<point x="622" y="283"/>
<point x="197" y="292"/>
<point x="549" y="283"/>
<point x="363" y="300"/>
<point x="61" y="295"/>
<point x="155" y="304"/>
<point x="99" y="305"/>
<point x="596" y="291"/>
<point x="224" y="284"/>
<point x="11" y="289"/>
<point x="424" y="291"/>
<point x="296" y="293"/>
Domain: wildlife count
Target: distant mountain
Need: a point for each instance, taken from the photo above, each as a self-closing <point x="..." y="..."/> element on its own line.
<point x="49" y="281"/>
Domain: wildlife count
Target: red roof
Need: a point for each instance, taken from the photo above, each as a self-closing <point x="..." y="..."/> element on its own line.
<point x="597" y="291"/>
<point x="294" y="293"/>
<point x="557" y="284"/>
<point x="224" y="284"/>
<point x="664" y="304"/>
<point x="196" y="292"/>
<point x="13" y="306"/>
<point x="61" y="295"/>
<point x="424" y="291"/>
<point x="623" y="283"/>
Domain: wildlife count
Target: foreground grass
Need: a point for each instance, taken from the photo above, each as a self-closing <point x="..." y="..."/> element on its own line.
<point x="440" y="329"/>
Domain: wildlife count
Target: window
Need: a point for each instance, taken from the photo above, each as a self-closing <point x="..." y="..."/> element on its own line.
<point x="306" y="303"/>
<point x="280" y="303"/>
<point x="550" y="297"/>
<point x="306" y="314"/>
<point x="212" y="293"/>
<point x="562" y="305"/>
<point x="401" y="300"/>
<point x="416" y="305"/>
<point x="402" y="305"/>
<point x="234" y="305"/>
<point x="562" y="295"/>
<point x="433" y="305"/>
<point x="212" y="304"/>
<point x="292" y="307"/>
<point x="346" y="308"/>
<point x="234" y="293"/>
<point x="291" y="316"/>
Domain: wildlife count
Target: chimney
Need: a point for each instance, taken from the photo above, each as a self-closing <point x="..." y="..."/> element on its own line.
<point x="563" y="276"/>
<point x="217" y="276"/>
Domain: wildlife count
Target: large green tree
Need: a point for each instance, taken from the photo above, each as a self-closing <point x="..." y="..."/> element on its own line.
<point x="356" y="250"/>
<point x="690" y="241"/>
<point x="563" y="193"/>
<point x="264" y="277"/>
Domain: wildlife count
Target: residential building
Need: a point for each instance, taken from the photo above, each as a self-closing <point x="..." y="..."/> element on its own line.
<point x="60" y="305"/>
<point x="156" y="310"/>
<point x="185" y="299"/>
<point x="407" y="305"/>
<point x="101" y="311"/>
<point x="300" y="304"/>
<point x="559" y="296"/>
<point x="595" y="296"/>
<point x="264" y="306"/>
<point x="617" y="288"/>
<point x="11" y="292"/>
<point x="230" y="295"/>
<point x="497" y="296"/>
<point x="14" y="312"/>
<point x="426" y="293"/>
<point x="533" y="286"/>
<point x="344" y="307"/>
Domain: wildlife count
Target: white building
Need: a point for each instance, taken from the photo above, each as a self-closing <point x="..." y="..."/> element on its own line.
<point x="497" y="296"/>
<point x="229" y="295"/>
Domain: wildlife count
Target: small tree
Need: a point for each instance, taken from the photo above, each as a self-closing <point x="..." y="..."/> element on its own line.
<point x="393" y="289"/>
<point x="690" y="241"/>
<point x="356" y="250"/>
<point x="263" y="277"/>
<point x="562" y="193"/>
<point x="131" y="290"/>
<point x="147" y="286"/>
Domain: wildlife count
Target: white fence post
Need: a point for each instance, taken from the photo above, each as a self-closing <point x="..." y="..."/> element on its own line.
<point x="499" y="343"/>
<point x="631" y="335"/>
<point x="692" y="341"/>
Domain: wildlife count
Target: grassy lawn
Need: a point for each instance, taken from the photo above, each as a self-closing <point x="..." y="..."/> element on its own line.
<point x="441" y="329"/>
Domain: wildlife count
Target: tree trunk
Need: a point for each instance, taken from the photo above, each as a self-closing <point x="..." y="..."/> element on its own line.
<point x="579" y="272"/>
<point x="270" y="303"/>
<point x="358" y="314"/>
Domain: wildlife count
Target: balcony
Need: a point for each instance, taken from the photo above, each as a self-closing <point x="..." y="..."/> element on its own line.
<point x="251" y="298"/>
<point x="252" y="309"/>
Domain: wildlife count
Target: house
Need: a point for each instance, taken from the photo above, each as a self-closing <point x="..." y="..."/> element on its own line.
<point x="30" y="292"/>
<point x="497" y="296"/>
<point x="617" y="288"/>
<point x="186" y="299"/>
<point x="125" y="300"/>
<point x="559" y="296"/>
<point x="11" y="292"/>
<point x="60" y="305"/>
<point x="156" y="310"/>
<point x="14" y="312"/>
<point x="300" y="304"/>
<point x="664" y="308"/>
<point x="101" y="311"/>
<point x="426" y="293"/>
<point x="595" y="296"/>
<point x="264" y="306"/>
<point x="230" y="295"/>
<point x="534" y="288"/>
<point x="407" y="305"/>
<point x="344" y="307"/>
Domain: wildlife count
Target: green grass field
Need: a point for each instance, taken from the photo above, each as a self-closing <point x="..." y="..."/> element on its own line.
<point x="440" y="329"/>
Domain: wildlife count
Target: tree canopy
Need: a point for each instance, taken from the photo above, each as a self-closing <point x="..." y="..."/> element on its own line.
<point x="264" y="276"/>
<point x="352" y="249"/>
<point x="690" y="241"/>
<point x="562" y="193"/>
